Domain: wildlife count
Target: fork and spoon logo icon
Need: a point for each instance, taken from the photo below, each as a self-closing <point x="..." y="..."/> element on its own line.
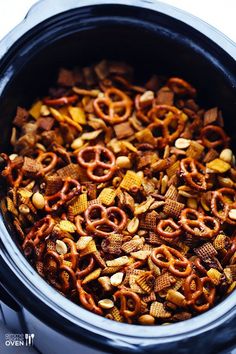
<point x="29" y="339"/>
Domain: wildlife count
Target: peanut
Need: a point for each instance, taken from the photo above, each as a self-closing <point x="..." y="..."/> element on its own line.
<point x="38" y="200"/>
<point x="12" y="156"/>
<point x="133" y="225"/>
<point x="105" y="283"/>
<point x="164" y="183"/>
<point x="182" y="143"/>
<point x="232" y="214"/>
<point x="147" y="96"/>
<point x="24" y="209"/>
<point x="146" y="320"/>
<point x="226" y="155"/>
<point x="123" y="162"/>
<point x="77" y="143"/>
<point x="61" y="247"/>
<point x="44" y="111"/>
<point x="106" y="304"/>
<point x="116" y="279"/>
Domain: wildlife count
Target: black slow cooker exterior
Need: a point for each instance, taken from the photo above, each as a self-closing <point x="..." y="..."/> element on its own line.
<point x="154" y="38"/>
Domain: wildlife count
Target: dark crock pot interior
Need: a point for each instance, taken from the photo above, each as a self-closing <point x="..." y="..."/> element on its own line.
<point x="150" y="41"/>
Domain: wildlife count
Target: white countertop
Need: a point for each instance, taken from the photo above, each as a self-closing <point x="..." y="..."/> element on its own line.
<point x="220" y="14"/>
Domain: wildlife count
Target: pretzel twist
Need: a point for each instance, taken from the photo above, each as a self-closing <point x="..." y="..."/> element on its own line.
<point x="194" y="173"/>
<point x="230" y="252"/>
<point x="58" y="273"/>
<point x="55" y="201"/>
<point x="168" y="224"/>
<point x="34" y="252"/>
<point x="60" y="101"/>
<point x="197" y="296"/>
<point x="73" y="255"/>
<point x="168" y="257"/>
<point x="87" y="299"/>
<point x="118" y="106"/>
<point x="181" y="87"/>
<point x="91" y="158"/>
<point x="124" y="296"/>
<point x="198" y="265"/>
<point x="52" y="262"/>
<point x="198" y="224"/>
<point x="51" y="265"/>
<point x="67" y="278"/>
<point x="48" y="160"/>
<point x="79" y="228"/>
<point x="223" y="200"/>
<point x="39" y="231"/>
<point x="164" y="118"/>
<point x="39" y="250"/>
<point x="12" y="172"/>
<point x="102" y="222"/>
<point x="83" y="271"/>
<point x="217" y="135"/>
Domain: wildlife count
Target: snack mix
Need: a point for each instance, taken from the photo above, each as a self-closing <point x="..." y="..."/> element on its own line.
<point x="124" y="196"/>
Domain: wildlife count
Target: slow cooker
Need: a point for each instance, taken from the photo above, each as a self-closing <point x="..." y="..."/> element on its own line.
<point x="153" y="37"/>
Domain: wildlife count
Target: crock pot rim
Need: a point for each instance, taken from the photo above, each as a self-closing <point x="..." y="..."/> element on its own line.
<point x="12" y="249"/>
<point x="42" y="10"/>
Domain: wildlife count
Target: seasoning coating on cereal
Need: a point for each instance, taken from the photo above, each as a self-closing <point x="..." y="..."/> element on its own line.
<point x="123" y="194"/>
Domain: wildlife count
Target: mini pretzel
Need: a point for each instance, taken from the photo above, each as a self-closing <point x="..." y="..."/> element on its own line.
<point x="198" y="224"/>
<point x="52" y="263"/>
<point x="48" y="160"/>
<point x="124" y="296"/>
<point x="80" y="273"/>
<point x="87" y="300"/>
<point x="12" y="172"/>
<point x="192" y="293"/>
<point x="29" y="249"/>
<point x="180" y="86"/>
<point x="36" y="253"/>
<point x="166" y="117"/>
<point x="209" y="294"/>
<point x="67" y="278"/>
<point x="71" y="256"/>
<point x="168" y="257"/>
<point x="198" y="297"/>
<point x="55" y="269"/>
<point x="40" y="230"/>
<point x="70" y="192"/>
<point x="223" y="200"/>
<point x="78" y="223"/>
<point x="70" y="188"/>
<point x="102" y="222"/>
<point x="142" y="108"/>
<point x="194" y="173"/>
<point x="160" y="134"/>
<point x="115" y="107"/>
<point x="127" y="85"/>
<point x="39" y="250"/>
<point x="230" y="252"/>
<point x="217" y="135"/>
<point x="60" y="101"/>
<point x="91" y="158"/>
<point x="170" y="224"/>
<point x="199" y="267"/>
